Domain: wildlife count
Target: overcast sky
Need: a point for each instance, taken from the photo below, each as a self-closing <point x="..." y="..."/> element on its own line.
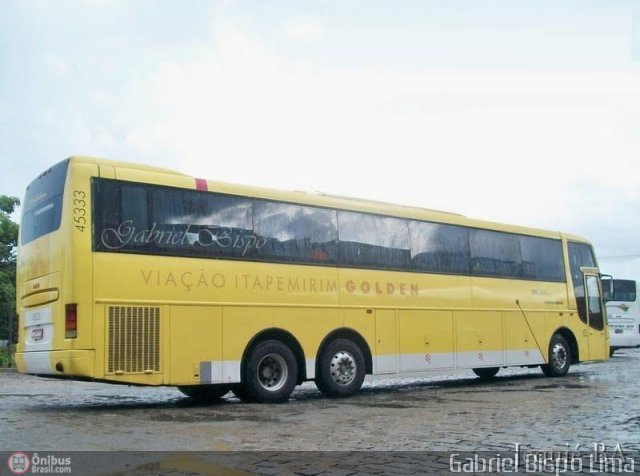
<point x="525" y="112"/>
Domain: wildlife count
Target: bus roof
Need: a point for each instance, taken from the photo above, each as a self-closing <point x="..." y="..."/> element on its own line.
<point x="163" y="176"/>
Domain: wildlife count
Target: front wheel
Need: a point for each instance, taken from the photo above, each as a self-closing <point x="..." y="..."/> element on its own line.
<point x="486" y="373"/>
<point x="270" y="373"/>
<point x="341" y="369"/>
<point x="205" y="393"/>
<point x="560" y="357"/>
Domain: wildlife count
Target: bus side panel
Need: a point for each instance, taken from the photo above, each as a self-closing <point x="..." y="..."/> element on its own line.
<point x="309" y="326"/>
<point x="479" y="339"/>
<point x="426" y="340"/>
<point x="524" y="306"/>
<point x="240" y="325"/>
<point x="521" y="347"/>
<point x="386" y="341"/>
<point x="195" y="337"/>
<point x="100" y="336"/>
<point x="362" y="321"/>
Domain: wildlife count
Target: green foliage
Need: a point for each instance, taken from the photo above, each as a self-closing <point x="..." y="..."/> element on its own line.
<point x="8" y="246"/>
<point x="8" y="229"/>
<point x="5" y="358"/>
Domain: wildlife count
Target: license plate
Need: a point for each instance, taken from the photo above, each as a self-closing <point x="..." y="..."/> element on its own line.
<point x="37" y="334"/>
<point x="618" y="331"/>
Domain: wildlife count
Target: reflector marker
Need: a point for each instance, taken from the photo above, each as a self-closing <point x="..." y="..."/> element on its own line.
<point x="201" y="184"/>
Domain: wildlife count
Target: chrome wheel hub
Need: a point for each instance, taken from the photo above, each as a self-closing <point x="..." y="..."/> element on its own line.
<point x="272" y="372"/>
<point x="343" y="368"/>
<point x="559" y="356"/>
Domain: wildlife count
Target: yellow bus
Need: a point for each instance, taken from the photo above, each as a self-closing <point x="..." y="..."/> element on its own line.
<point x="140" y="275"/>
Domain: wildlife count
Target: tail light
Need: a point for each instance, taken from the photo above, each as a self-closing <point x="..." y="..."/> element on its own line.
<point x="71" y="321"/>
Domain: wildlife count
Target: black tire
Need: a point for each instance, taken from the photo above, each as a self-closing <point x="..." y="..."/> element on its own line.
<point x="486" y="373"/>
<point x="611" y="351"/>
<point x="560" y="357"/>
<point x="269" y="374"/>
<point x="341" y="369"/>
<point x="205" y="393"/>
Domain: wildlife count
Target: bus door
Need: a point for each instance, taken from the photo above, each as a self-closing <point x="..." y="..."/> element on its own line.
<point x="595" y="331"/>
<point x="586" y="289"/>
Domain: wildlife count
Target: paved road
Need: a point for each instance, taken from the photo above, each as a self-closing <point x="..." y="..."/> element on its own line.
<point x="595" y="403"/>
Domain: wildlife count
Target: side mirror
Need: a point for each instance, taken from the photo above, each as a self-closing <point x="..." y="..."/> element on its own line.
<point x="607" y="287"/>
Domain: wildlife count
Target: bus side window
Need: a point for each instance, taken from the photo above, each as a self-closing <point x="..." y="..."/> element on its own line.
<point x="287" y="232"/>
<point x="439" y="248"/>
<point x="542" y="259"/>
<point x="373" y="241"/>
<point x="193" y="223"/>
<point x="134" y="212"/>
<point x="495" y="254"/>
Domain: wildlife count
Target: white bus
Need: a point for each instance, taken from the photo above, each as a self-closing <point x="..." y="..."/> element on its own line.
<point x="623" y="314"/>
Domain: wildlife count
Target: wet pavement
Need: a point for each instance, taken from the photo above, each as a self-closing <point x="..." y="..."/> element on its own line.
<point x="595" y="403"/>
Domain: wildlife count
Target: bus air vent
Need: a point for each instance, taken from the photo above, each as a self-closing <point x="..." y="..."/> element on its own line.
<point x="134" y="339"/>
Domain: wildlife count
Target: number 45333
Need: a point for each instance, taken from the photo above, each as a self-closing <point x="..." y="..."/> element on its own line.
<point x="79" y="209"/>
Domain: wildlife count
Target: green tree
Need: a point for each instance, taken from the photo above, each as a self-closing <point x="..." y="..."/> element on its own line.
<point x="8" y="245"/>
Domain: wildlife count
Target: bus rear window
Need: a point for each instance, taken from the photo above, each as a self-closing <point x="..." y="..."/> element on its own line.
<point x="43" y="203"/>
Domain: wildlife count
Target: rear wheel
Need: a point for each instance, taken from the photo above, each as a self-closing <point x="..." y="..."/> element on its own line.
<point x="205" y="393"/>
<point x="486" y="372"/>
<point x="341" y="369"/>
<point x="560" y="357"/>
<point x="611" y="351"/>
<point x="270" y="373"/>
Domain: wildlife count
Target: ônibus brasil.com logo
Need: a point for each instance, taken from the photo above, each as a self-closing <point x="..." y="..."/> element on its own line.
<point x="22" y="463"/>
<point x="19" y="463"/>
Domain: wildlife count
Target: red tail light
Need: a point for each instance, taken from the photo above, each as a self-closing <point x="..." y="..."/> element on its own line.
<point x="71" y="321"/>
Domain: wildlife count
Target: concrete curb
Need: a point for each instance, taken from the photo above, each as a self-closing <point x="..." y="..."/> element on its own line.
<point x="12" y="370"/>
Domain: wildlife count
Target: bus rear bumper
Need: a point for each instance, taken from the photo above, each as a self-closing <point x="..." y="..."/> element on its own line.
<point x="72" y="363"/>
<point x="624" y="341"/>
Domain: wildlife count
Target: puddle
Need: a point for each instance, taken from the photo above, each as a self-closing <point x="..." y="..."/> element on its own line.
<point x="559" y="385"/>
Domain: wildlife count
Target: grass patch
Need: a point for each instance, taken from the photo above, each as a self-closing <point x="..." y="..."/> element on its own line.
<point x="6" y="358"/>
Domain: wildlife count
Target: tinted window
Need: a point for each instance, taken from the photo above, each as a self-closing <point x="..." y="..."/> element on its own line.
<point x="142" y="218"/>
<point x="542" y="259"/>
<point x="580" y="255"/>
<point x="373" y="241"/>
<point x="495" y="254"/>
<point x="43" y="203"/>
<point x="202" y="223"/>
<point x="114" y="227"/>
<point x="596" y="319"/>
<point x="439" y="248"/>
<point x="162" y="220"/>
<point x="295" y="233"/>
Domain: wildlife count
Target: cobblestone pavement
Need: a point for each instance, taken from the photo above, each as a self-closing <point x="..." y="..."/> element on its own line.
<point x="595" y="403"/>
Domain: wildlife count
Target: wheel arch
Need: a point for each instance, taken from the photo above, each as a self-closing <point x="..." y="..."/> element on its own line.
<point x="275" y="333"/>
<point x="571" y="339"/>
<point x="355" y="337"/>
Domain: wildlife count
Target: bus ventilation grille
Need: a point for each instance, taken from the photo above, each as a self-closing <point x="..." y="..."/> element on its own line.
<point x="134" y="339"/>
